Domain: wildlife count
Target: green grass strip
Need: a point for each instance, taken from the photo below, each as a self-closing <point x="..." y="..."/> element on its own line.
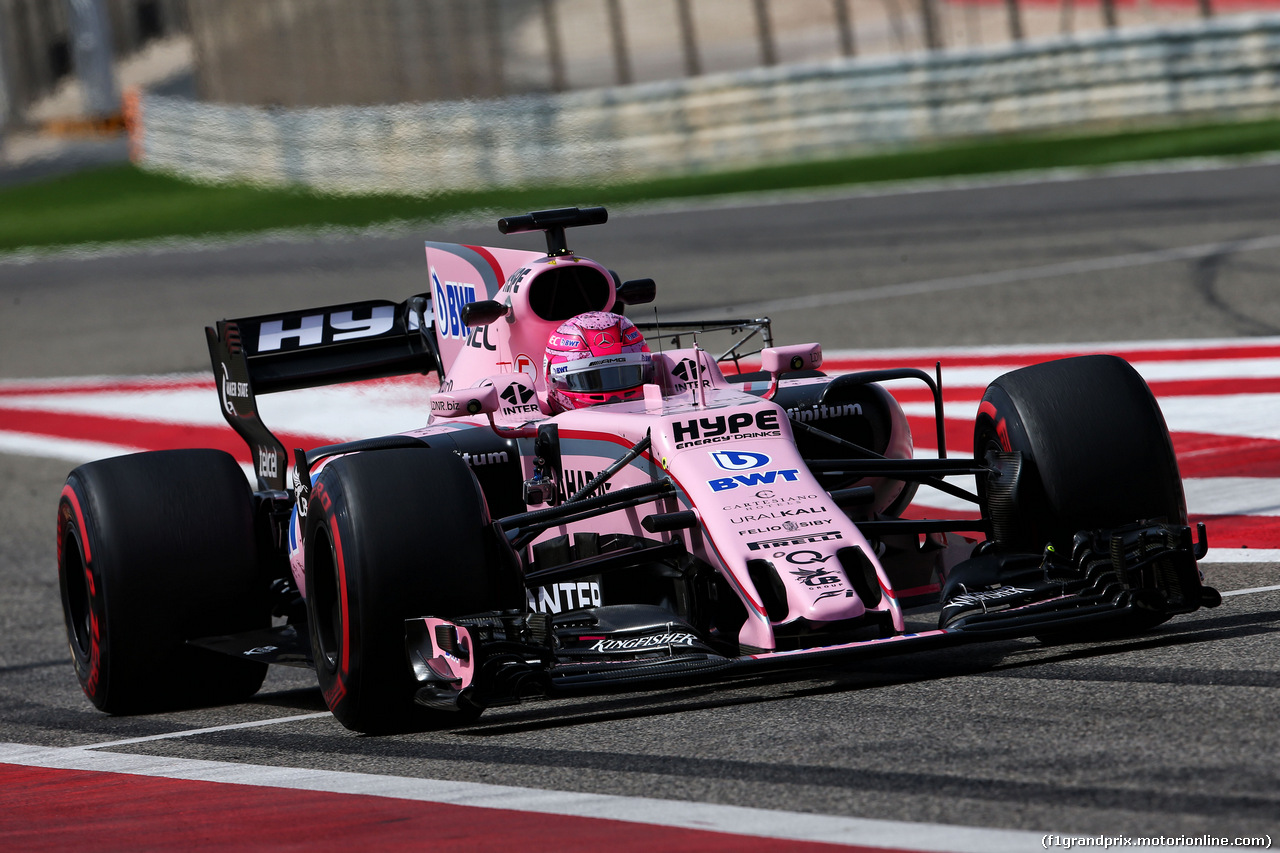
<point x="125" y="203"/>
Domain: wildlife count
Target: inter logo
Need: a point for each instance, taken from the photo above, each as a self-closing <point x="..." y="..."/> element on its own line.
<point x="517" y="395"/>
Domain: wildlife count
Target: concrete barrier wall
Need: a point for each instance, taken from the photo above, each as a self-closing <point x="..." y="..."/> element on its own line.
<point x="1223" y="69"/>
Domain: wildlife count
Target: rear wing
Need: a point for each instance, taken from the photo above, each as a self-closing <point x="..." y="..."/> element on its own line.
<point x="305" y="349"/>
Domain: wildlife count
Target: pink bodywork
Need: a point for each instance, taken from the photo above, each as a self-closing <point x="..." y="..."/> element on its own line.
<point x="731" y="454"/>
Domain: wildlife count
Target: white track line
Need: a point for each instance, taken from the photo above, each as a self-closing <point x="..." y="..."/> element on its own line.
<point x="766" y="823"/>
<point x="66" y="449"/>
<point x="190" y="732"/>
<point x="1242" y="555"/>
<point x="1252" y="590"/>
<point x="1018" y="351"/>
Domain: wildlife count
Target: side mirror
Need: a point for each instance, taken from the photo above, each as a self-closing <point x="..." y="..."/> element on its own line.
<point x="778" y="360"/>
<point x="544" y="487"/>
<point x="637" y="291"/>
<point x="467" y="401"/>
<point x="483" y="313"/>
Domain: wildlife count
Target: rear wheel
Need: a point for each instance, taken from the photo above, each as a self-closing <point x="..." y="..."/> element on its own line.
<point x="393" y="535"/>
<point x="156" y="549"/>
<point x="1095" y="452"/>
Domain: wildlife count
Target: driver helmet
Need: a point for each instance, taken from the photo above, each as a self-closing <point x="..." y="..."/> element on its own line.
<point x="596" y="358"/>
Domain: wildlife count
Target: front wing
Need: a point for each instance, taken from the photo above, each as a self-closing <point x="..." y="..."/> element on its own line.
<point x="1149" y="574"/>
<point x="1117" y="582"/>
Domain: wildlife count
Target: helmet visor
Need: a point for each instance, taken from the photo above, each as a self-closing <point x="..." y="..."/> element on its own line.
<point x="602" y="380"/>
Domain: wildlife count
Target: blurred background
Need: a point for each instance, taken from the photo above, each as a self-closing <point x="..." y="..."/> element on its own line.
<point x="328" y="52"/>
<point x="65" y="63"/>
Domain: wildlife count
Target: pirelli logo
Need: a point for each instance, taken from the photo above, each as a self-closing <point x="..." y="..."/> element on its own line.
<point x="793" y="540"/>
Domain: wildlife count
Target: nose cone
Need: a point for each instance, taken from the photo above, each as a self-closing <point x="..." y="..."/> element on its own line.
<point x="818" y="590"/>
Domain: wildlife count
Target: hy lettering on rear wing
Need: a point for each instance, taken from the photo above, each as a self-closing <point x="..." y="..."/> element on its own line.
<point x="305" y="349"/>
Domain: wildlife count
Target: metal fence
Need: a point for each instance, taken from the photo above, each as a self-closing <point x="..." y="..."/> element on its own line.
<point x="329" y="52"/>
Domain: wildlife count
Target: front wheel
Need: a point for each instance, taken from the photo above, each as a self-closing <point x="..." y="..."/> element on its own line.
<point x="394" y="535"/>
<point x="1095" y="452"/>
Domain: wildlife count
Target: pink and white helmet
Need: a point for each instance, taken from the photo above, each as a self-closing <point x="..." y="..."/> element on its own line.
<point x="596" y="358"/>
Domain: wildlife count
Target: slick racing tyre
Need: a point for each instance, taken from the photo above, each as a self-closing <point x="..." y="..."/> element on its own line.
<point x="156" y="549"/>
<point x="1095" y="452"/>
<point x="393" y="535"/>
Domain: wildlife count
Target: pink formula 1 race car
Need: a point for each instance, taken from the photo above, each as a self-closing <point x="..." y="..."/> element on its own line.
<point x="583" y="512"/>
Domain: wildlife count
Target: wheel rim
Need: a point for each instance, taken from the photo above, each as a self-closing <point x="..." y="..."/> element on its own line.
<point x="328" y="606"/>
<point x="984" y="442"/>
<point x="79" y="603"/>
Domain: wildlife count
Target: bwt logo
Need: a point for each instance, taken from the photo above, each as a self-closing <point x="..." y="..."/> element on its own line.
<point x="755" y="478"/>
<point x="737" y="460"/>
<point x="451" y="296"/>
<point x="316" y="329"/>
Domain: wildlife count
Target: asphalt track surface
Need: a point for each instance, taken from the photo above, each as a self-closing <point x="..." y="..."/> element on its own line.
<point x="1172" y="733"/>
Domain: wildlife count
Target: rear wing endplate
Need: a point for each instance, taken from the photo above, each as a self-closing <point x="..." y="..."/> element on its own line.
<point x="305" y="349"/>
